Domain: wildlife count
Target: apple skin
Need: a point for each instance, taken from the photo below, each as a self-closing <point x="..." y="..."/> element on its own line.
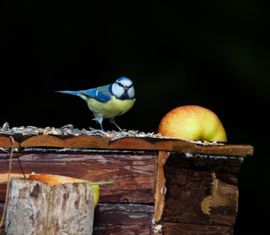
<point x="192" y="122"/>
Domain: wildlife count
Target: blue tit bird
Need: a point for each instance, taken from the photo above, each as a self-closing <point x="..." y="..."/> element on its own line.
<point x="108" y="101"/>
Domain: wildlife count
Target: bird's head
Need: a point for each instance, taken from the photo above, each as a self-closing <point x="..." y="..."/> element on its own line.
<point x="123" y="88"/>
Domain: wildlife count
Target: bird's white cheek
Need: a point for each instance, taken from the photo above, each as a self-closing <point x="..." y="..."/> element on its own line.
<point x="131" y="92"/>
<point x="117" y="90"/>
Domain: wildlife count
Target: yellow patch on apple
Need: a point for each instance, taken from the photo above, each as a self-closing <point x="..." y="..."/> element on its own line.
<point x="192" y="122"/>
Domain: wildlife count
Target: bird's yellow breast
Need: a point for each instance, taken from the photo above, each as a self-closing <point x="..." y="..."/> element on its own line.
<point x="114" y="107"/>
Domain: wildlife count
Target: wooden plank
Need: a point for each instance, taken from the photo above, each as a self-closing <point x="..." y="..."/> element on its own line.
<point x="6" y="142"/>
<point x="194" y="229"/>
<point x="123" y="219"/>
<point x="226" y="150"/>
<point x="128" y="143"/>
<point x="133" y="176"/>
<point x="67" y="142"/>
<point x="183" y="146"/>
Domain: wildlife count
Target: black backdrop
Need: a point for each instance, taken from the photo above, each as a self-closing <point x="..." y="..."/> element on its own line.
<point x="210" y="53"/>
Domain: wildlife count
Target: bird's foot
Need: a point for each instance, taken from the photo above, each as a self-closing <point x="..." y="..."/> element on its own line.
<point x="114" y="123"/>
<point x="99" y="119"/>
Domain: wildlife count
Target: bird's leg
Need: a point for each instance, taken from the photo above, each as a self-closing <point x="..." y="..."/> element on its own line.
<point x="101" y="126"/>
<point x="99" y="119"/>
<point x="114" y="123"/>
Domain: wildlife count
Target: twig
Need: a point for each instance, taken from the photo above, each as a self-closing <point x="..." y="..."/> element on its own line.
<point x="20" y="164"/>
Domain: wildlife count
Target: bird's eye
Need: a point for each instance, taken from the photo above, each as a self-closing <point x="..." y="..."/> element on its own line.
<point x="120" y="84"/>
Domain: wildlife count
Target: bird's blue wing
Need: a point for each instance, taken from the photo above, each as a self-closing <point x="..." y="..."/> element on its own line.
<point x="101" y="94"/>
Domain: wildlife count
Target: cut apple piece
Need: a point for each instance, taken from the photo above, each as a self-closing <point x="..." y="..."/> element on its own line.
<point x="59" y="179"/>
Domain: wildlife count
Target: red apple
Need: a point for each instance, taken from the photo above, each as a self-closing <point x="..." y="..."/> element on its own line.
<point x="192" y="122"/>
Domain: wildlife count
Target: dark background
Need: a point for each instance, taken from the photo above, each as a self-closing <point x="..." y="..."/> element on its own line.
<point x="211" y="53"/>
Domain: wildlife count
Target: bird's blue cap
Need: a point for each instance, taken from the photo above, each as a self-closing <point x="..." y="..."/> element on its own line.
<point x="123" y="78"/>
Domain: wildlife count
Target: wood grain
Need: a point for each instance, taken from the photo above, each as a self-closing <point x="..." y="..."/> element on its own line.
<point x="194" y="185"/>
<point x="6" y="142"/>
<point x="123" y="219"/>
<point x="194" y="229"/>
<point x="133" y="176"/>
<point x="38" y="208"/>
<point x="160" y="191"/>
<point x="127" y="143"/>
<point x="199" y="195"/>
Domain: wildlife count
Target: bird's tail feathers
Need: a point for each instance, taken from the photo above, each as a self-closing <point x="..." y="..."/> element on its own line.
<point x="70" y="92"/>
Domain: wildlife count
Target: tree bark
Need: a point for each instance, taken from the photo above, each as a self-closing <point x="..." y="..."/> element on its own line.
<point x="196" y="195"/>
<point x="40" y="209"/>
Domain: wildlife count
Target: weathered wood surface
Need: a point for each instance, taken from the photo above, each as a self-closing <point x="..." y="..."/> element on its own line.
<point x="129" y="143"/>
<point x="194" y="229"/>
<point x="123" y="219"/>
<point x="198" y="193"/>
<point x="189" y="188"/>
<point x="201" y="195"/>
<point x="133" y="176"/>
<point x="37" y="208"/>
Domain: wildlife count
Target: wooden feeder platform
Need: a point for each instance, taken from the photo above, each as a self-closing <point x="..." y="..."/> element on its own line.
<point x="160" y="185"/>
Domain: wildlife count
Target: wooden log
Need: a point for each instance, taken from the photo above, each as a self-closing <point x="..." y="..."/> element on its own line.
<point x="40" y="209"/>
<point x="133" y="176"/>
